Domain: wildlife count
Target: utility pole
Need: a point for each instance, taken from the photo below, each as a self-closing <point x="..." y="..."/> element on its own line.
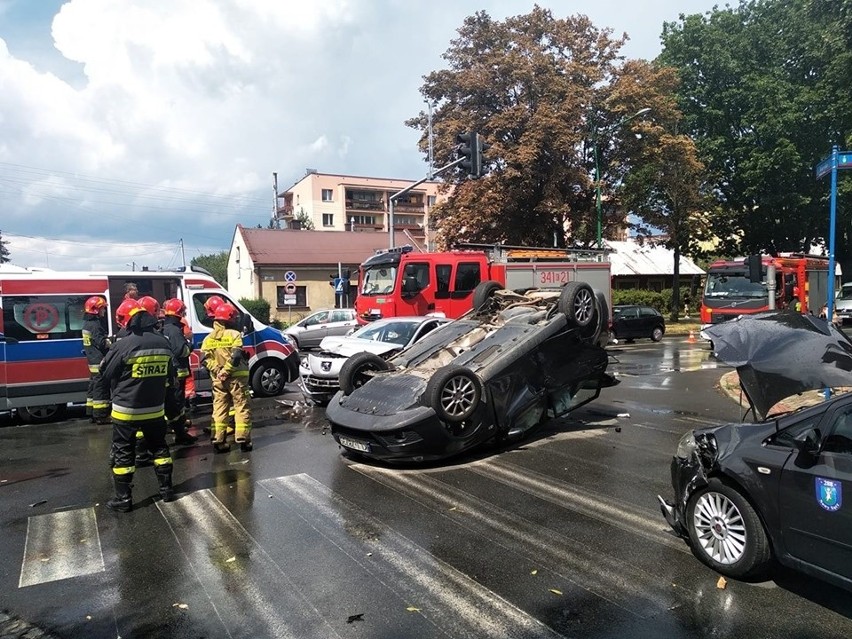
<point x="182" y="255"/>
<point x="276" y="222"/>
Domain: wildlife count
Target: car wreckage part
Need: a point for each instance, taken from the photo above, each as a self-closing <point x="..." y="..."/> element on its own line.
<point x="483" y="293"/>
<point x="726" y="532"/>
<point x="577" y="301"/>
<point x="453" y="393"/>
<point x="356" y="370"/>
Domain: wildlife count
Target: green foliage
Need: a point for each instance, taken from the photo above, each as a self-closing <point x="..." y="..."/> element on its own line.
<point x="4" y="252"/>
<point x="259" y="308"/>
<point x="216" y="263"/>
<point x="305" y="219"/>
<point x="660" y="300"/>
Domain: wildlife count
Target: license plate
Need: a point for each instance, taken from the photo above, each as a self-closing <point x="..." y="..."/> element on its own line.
<point x="354" y="444"/>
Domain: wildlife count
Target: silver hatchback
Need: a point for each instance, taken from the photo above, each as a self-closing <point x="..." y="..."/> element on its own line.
<point x="309" y="332"/>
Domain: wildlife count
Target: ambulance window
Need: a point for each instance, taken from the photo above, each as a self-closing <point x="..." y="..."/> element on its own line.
<point x="198" y="302"/>
<point x="43" y="317"/>
<point x="442" y="274"/>
<point x="467" y="276"/>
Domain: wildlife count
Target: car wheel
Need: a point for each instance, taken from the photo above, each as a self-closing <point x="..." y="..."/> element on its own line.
<point x="356" y="370"/>
<point x="577" y="301"/>
<point x="657" y="333"/>
<point x="41" y="414"/>
<point x="483" y="293"/>
<point x="726" y="532"/>
<point x="268" y="379"/>
<point x="453" y="392"/>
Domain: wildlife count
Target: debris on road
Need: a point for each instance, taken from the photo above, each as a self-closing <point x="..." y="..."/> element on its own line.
<point x="555" y="591"/>
<point x="722" y="583"/>
<point x="358" y="617"/>
<point x="38" y="503"/>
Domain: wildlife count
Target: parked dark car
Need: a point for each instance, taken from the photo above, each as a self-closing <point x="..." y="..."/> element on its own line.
<point x="748" y="493"/>
<point x="495" y="373"/>
<point x="633" y="321"/>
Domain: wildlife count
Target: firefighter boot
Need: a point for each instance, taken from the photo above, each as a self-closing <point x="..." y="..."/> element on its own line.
<point x="123" y="500"/>
<point x="164" y="479"/>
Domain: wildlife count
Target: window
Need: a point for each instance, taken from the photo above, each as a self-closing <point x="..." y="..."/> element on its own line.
<point x="467" y="276"/>
<point x="301" y="297"/>
<point x="342" y="316"/>
<point x="363" y="219"/>
<point x="328" y="219"/>
<point x="327" y="195"/>
<point x="198" y="302"/>
<point x="43" y="317"/>
<point x="442" y="272"/>
<point x="431" y="199"/>
<point x="419" y="272"/>
<point x="407" y="220"/>
<point x="839" y="439"/>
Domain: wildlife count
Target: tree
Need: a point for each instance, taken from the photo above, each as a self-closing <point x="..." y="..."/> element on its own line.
<point x="4" y="252"/>
<point x="537" y="88"/>
<point x="307" y="224"/>
<point x="765" y="93"/>
<point x="216" y="263"/>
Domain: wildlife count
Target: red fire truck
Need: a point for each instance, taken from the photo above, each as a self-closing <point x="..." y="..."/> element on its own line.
<point x="401" y="281"/>
<point x="731" y="289"/>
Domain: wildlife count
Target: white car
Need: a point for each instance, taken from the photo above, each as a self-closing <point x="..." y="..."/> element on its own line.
<point x="843" y="303"/>
<point x="319" y="372"/>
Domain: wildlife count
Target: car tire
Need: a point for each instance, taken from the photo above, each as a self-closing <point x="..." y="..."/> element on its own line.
<point x="353" y="373"/>
<point x="579" y="304"/>
<point x="268" y="378"/>
<point x="657" y="333"/>
<point x="453" y="392"/>
<point x="483" y="293"/>
<point x="41" y="414"/>
<point x="726" y="532"/>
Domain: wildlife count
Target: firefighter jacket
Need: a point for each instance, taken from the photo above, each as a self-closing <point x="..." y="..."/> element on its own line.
<point x="140" y="370"/>
<point x="223" y="350"/>
<point x="95" y="342"/>
<point x="181" y="348"/>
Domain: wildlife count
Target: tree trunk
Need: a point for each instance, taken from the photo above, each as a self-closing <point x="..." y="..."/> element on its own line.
<point x="676" y="285"/>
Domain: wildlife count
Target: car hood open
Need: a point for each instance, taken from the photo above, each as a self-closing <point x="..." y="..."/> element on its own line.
<point x="782" y="353"/>
<point x="348" y="346"/>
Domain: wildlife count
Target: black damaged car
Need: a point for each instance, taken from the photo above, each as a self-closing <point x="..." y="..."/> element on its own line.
<point x="749" y="494"/>
<point x="495" y="373"/>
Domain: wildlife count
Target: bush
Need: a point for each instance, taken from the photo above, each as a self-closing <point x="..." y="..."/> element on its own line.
<point x="660" y="300"/>
<point x="259" y="308"/>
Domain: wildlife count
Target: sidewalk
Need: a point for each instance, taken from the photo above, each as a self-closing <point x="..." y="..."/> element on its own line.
<point x="729" y="384"/>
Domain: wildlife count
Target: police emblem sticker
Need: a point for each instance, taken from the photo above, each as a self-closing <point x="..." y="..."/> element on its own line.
<point x="829" y="494"/>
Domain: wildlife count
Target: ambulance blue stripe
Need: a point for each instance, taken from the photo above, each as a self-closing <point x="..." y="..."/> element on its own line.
<point x="47" y="349"/>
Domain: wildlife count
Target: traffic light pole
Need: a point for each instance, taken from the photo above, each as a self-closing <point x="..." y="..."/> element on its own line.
<point x="399" y="194"/>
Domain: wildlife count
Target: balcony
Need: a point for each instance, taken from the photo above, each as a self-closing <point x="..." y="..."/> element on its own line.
<point x="285" y="212"/>
<point x="364" y="205"/>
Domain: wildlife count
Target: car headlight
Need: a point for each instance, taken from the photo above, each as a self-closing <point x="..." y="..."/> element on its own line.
<point x="304" y="364"/>
<point x="686" y="446"/>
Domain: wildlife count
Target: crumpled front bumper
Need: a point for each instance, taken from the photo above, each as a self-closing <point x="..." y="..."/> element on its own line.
<point x="687" y="476"/>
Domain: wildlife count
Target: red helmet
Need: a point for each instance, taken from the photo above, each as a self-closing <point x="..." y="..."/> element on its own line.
<point x="150" y="305"/>
<point x="212" y="303"/>
<point x="94" y="304"/>
<point x="174" y="306"/>
<point x="187" y="330"/>
<point x="225" y="312"/>
<point x="127" y="309"/>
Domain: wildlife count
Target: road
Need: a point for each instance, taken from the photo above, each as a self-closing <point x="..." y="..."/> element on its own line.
<point x="559" y="536"/>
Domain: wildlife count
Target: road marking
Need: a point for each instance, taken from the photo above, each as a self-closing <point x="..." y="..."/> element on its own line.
<point x="609" y="510"/>
<point x="455" y="604"/>
<point x="249" y="592"/>
<point x="61" y="545"/>
<point x="611" y="579"/>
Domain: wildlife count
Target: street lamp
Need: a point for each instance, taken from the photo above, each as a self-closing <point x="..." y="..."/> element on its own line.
<point x="622" y="121"/>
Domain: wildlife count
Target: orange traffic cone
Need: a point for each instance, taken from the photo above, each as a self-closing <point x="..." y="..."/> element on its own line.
<point x="691" y="339"/>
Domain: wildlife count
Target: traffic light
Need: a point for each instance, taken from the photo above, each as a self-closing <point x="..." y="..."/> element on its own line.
<point x="470" y="148"/>
<point x="755" y="269"/>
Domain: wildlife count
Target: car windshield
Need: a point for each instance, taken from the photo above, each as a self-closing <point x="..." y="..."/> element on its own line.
<point x="845" y="293"/>
<point x="395" y="332"/>
<point x="733" y="285"/>
<point x="378" y="280"/>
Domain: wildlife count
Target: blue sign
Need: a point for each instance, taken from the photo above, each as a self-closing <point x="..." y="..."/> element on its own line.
<point x="338" y="285"/>
<point x="823" y="168"/>
<point x="290" y="276"/>
<point x="844" y="161"/>
<point x="829" y="494"/>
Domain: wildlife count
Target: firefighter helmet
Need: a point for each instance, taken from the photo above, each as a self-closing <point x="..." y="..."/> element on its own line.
<point x="94" y="304"/>
<point x="174" y="306"/>
<point x="225" y="312"/>
<point x="127" y="309"/>
<point x="150" y="305"/>
<point x="212" y="303"/>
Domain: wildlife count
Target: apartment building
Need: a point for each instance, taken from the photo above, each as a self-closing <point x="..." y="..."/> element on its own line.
<point x="359" y="204"/>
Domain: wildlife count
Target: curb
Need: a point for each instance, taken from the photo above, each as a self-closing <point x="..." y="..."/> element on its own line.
<point x="729" y="384"/>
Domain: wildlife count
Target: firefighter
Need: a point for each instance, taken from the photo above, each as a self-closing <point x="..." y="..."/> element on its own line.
<point x="228" y="366"/>
<point x="95" y="347"/>
<point x="211" y="303"/>
<point x="173" y="312"/>
<point x="139" y="368"/>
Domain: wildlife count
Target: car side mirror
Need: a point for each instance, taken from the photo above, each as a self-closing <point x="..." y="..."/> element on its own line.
<point x="809" y="441"/>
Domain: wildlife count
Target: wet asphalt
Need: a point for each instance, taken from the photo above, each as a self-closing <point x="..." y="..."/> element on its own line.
<point x="557" y="536"/>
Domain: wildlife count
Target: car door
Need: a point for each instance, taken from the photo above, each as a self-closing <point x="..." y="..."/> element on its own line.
<point x="342" y="321"/>
<point x="316" y="327"/>
<point x="627" y="322"/>
<point x="648" y="320"/>
<point x="816" y="497"/>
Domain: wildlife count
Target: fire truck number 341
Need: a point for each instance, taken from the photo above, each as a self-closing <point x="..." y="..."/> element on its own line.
<point x="553" y="277"/>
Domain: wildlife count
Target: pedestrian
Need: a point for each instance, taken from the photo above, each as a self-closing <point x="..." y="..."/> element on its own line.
<point x="228" y="365"/>
<point x="131" y="291"/>
<point x="95" y="346"/>
<point x="139" y="369"/>
<point x="173" y="312"/>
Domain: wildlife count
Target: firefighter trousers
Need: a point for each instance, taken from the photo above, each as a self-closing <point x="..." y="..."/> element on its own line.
<point x="123" y="451"/>
<point x="233" y="392"/>
<point x="97" y="395"/>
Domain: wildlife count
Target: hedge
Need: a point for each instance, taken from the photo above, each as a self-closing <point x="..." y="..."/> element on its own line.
<point x="660" y="300"/>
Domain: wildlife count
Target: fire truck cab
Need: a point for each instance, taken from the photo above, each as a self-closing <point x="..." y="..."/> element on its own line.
<point x="401" y="281"/>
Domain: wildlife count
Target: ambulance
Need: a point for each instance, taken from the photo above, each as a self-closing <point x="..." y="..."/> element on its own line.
<point x="42" y="366"/>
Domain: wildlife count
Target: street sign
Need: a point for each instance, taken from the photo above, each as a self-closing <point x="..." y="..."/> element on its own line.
<point x="289" y="300"/>
<point x="290" y="276"/>
<point x="823" y="168"/>
<point x="338" y="285"/>
<point x="844" y="160"/>
<point x="290" y="288"/>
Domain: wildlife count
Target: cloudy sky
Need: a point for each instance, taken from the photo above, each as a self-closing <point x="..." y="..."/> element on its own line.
<point x="130" y="126"/>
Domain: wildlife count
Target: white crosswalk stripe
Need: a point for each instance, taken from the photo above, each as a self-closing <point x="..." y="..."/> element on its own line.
<point x="61" y="545"/>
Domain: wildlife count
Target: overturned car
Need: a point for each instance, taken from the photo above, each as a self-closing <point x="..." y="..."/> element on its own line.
<point x="495" y="373"/>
